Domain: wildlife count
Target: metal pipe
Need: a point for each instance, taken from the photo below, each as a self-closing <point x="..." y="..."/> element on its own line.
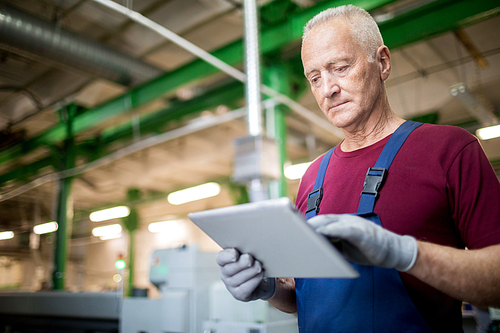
<point x="36" y="38"/>
<point x="64" y="220"/>
<point x="252" y="64"/>
<point x="131" y="223"/>
<point x="257" y="188"/>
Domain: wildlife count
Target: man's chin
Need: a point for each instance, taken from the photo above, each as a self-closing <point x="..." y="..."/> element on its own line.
<point x="341" y="122"/>
<point x="340" y="117"/>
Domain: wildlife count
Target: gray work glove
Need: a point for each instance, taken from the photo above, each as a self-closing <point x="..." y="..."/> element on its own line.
<point x="366" y="243"/>
<point x="244" y="276"/>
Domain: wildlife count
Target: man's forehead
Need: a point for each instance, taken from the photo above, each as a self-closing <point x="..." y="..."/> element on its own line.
<point x="329" y="34"/>
<point x="338" y="44"/>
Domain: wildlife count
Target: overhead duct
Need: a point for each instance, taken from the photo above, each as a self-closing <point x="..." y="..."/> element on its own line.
<point x="33" y="37"/>
<point x="477" y="108"/>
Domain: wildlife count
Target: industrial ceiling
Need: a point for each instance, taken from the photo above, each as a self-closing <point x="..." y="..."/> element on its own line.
<point x="138" y="112"/>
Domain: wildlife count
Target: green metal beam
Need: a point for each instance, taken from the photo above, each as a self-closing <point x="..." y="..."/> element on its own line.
<point x="436" y="18"/>
<point x="63" y="233"/>
<point x="278" y="76"/>
<point x="64" y="211"/>
<point x="227" y="94"/>
<point x="131" y="223"/>
<point x="23" y="172"/>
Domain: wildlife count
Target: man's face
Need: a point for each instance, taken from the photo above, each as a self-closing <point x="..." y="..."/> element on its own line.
<point x="346" y="86"/>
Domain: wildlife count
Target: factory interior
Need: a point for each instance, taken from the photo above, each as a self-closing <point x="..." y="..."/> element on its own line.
<point x="119" y="106"/>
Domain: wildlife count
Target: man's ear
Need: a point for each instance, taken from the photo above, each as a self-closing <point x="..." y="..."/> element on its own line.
<point x="384" y="61"/>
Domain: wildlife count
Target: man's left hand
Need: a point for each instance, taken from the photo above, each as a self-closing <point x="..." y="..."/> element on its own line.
<point x="367" y="243"/>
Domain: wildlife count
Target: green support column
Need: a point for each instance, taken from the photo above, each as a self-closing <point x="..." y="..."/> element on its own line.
<point x="277" y="76"/>
<point x="131" y="223"/>
<point x="64" y="214"/>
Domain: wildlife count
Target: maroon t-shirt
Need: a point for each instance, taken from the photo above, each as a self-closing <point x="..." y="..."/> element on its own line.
<point x="440" y="188"/>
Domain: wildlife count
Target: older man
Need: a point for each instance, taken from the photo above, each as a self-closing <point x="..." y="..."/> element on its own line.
<point x="429" y="194"/>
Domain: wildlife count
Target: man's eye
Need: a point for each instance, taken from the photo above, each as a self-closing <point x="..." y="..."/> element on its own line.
<point x="315" y="78"/>
<point x="341" y="69"/>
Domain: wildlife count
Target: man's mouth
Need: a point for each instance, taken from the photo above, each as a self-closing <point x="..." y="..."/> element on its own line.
<point x="336" y="105"/>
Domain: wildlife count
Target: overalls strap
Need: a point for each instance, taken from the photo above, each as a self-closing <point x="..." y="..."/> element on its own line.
<point x="376" y="175"/>
<point x="315" y="196"/>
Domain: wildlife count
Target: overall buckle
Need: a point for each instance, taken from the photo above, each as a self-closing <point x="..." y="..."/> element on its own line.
<point x="314" y="199"/>
<point x="374" y="180"/>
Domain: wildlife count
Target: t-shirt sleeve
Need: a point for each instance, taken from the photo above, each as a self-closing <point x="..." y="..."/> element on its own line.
<point x="306" y="185"/>
<point x="474" y="197"/>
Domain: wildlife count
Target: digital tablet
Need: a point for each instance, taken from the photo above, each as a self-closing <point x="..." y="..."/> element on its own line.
<point x="276" y="234"/>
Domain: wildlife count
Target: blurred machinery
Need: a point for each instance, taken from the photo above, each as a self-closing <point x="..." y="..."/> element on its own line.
<point x="193" y="300"/>
<point x="228" y="315"/>
<point x="55" y="311"/>
<point x="183" y="275"/>
<point x="256" y="162"/>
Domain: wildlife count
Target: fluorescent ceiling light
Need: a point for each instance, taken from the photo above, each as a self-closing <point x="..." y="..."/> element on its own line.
<point x="296" y="171"/>
<point x="171" y="226"/>
<point x="110" y="213"/>
<point x="490" y="132"/>
<point x="107" y="231"/>
<point x="194" y="193"/>
<point x="111" y="236"/>
<point x="45" y="228"/>
<point x="6" y="235"/>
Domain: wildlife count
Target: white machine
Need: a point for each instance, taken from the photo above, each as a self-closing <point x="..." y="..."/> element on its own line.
<point x="194" y="300"/>
<point x="184" y="276"/>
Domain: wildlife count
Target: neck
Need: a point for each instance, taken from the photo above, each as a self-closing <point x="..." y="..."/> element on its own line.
<point x="377" y="127"/>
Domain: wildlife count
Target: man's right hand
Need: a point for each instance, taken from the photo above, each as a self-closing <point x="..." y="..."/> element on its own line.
<point x="244" y="276"/>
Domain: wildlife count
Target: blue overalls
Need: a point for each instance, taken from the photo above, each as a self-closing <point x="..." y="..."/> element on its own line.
<point x="377" y="301"/>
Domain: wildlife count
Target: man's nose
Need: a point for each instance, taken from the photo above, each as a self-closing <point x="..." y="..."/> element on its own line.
<point x="330" y="86"/>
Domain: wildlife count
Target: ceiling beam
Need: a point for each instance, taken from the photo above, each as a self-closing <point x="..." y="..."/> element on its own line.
<point x="436" y="18"/>
<point x="471" y="48"/>
<point x="227" y="94"/>
<point x="24" y="172"/>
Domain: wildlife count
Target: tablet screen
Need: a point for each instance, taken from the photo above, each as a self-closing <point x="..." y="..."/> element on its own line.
<point x="277" y="235"/>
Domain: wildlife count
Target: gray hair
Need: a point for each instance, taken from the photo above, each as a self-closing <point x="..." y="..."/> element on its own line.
<point x="365" y="30"/>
